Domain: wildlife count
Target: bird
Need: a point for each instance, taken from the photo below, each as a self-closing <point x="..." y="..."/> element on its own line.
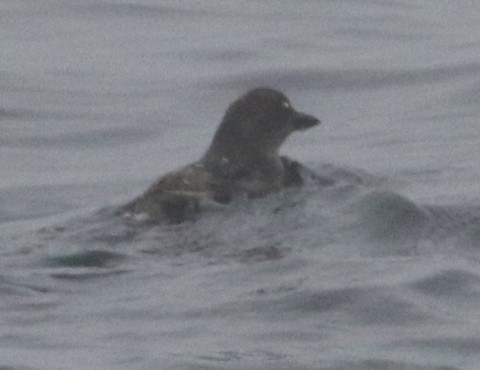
<point x="242" y="161"/>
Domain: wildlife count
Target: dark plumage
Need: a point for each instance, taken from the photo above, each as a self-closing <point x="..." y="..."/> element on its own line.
<point x="242" y="160"/>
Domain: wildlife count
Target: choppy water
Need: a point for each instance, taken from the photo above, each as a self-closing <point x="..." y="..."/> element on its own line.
<point x="379" y="271"/>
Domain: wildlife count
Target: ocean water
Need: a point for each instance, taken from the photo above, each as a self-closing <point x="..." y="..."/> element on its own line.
<point x="380" y="270"/>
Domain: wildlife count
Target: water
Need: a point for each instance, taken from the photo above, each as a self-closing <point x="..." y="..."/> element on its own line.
<point x="379" y="271"/>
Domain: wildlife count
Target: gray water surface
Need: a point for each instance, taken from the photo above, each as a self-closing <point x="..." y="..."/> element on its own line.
<point x="379" y="271"/>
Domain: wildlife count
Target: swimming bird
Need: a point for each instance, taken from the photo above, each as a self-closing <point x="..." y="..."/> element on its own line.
<point x="241" y="161"/>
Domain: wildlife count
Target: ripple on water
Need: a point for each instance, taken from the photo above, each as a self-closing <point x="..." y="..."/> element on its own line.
<point x="451" y="282"/>
<point x="85" y="265"/>
<point x="391" y="223"/>
<point x="345" y="306"/>
<point x="92" y="258"/>
<point x="349" y="79"/>
<point x="381" y="364"/>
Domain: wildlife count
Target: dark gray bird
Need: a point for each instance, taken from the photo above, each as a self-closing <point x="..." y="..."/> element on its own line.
<point x="241" y="161"/>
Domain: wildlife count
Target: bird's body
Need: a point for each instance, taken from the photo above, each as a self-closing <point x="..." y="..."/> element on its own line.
<point x="241" y="161"/>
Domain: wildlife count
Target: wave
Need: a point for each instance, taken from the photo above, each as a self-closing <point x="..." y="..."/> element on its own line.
<point x="352" y="214"/>
<point x="344" y="79"/>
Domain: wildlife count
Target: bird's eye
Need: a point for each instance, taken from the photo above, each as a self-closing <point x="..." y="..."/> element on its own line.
<point x="286" y="105"/>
